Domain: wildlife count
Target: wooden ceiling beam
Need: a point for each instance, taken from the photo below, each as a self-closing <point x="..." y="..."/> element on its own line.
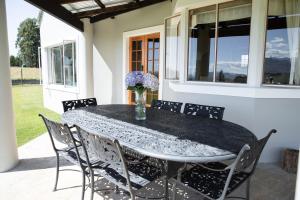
<point x="91" y="13"/>
<point x="55" y="9"/>
<point x="100" y="3"/>
<point x="122" y="9"/>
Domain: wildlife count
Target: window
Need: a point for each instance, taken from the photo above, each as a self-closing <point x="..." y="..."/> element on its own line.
<point x="281" y="65"/>
<point x="173" y="40"/>
<point x="63" y="65"/>
<point x="219" y="38"/>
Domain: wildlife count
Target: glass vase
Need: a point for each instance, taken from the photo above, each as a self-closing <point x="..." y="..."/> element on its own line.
<point x="140" y="106"/>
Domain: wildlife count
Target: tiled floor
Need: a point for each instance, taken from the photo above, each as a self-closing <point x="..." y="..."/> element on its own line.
<point x="33" y="179"/>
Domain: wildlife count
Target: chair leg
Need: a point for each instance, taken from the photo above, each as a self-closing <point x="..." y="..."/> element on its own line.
<point x="248" y="189"/>
<point x="174" y="191"/>
<point x="83" y="185"/>
<point x="92" y="186"/>
<point x="57" y="172"/>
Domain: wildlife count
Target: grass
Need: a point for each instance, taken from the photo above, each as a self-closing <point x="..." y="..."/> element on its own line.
<point x="28" y="103"/>
<point x="28" y="73"/>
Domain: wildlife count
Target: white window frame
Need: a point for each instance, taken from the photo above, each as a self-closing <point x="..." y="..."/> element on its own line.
<point x="262" y="72"/>
<point x="254" y="87"/>
<point x="50" y="71"/>
<point x="214" y="82"/>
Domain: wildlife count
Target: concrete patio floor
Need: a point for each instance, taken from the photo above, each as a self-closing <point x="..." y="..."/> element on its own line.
<point x="33" y="179"/>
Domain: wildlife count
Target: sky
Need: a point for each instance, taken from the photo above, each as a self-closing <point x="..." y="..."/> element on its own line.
<point x="17" y="11"/>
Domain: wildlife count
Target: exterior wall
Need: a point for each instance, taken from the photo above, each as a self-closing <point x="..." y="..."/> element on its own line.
<point x="108" y="48"/>
<point x="54" y="32"/>
<point x="257" y="108"/>
<point x="257" y="114"/>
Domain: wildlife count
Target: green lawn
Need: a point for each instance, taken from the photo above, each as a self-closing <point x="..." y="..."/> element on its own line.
<point x="28" y="103"/>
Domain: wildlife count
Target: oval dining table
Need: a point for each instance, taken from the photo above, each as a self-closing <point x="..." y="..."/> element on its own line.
<point x="164" y="134"/>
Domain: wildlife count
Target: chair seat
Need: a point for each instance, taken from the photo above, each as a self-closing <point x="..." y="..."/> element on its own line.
<point x="211" y="183"/>
<point x="140" y="174"/>
<point x="71" y="156"/>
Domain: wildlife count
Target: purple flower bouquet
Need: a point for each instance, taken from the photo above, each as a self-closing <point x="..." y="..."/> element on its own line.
<point x="138" y="81"/>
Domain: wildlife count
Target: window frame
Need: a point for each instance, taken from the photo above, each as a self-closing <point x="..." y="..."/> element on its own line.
<point x="266" y="85"/>
<point x="254" y="87"/>
<point x="51" y="72"/>
<point x="187" y="26"/>
<point x="164" y="76"/>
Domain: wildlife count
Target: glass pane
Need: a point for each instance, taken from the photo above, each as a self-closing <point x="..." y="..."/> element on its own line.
<point x="150" y="67"/>
<point x="133" y="55"/>
<point x="139" y="66"/>
<point x="139" y="56"/>
<point x="75" y="68"/>
<point x="282" y="65"/>
<point x="68" y="64"/>
<point x="149" y="97"/>
<point x="150" y="54"/>
<point x="173" y="43"/>
<point x="202" y="44"/>
<point x="233" y="41"/>
<point x="150" y="43"/>
<point x="58" y="77"/>
<point x="156" y="54"/>
<point x="156" y="43"/>
<point x="139" y="45"/>
<point x="134" y="46"/>
<point x="156" y="68"/>
<point x="133" y="65"/>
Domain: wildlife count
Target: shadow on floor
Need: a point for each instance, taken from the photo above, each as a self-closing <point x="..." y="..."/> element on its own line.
<point x="39" y="163"/>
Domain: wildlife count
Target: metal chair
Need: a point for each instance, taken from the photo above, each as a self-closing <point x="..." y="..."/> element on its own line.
<point x="123" y="171"/>
<point x="212" y="112"/>
<point x="66" y="146"/>
<point x="166" y="105"/>
<point x="217" y="180"/>
<point x="79" y="103"/>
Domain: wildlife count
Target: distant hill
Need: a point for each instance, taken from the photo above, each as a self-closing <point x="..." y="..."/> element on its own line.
<point x="277" y="65"/>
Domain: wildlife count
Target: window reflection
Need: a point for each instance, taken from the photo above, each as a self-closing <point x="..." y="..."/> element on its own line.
<point x="230" y="62"/>
<point x="202" y="44"/>
<point x="281" y="64"/>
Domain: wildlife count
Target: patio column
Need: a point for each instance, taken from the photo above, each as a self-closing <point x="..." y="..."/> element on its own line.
<point x="8" y="147"/>
<point x="86" y="64"/>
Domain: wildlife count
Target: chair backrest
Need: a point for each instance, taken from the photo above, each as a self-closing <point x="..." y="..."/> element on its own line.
<point x="250" y="157"/>
<point x="79" y="103"/>
<point x="106" y="150"/>
<point x="166" y="105"/>
<point x="58" y="132"/>
<point x="212" y="112"/>
<point x="247" y="158"/>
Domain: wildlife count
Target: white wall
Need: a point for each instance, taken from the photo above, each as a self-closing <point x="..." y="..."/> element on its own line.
<point x="257" y="114"/>
<point x="254" y="110"/>
<point x="54" y="32"/>
<point x="108" y="48"/>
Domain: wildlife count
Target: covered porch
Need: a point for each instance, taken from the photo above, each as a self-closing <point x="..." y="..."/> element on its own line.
<point x="37" y="165"/>
<point x="102" y="32"/>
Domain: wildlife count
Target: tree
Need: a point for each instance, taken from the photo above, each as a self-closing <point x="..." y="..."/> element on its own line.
<point x="15" y="61"/>
<point x="28" y="41"/>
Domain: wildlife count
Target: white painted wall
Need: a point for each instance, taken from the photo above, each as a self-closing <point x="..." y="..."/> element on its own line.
<point x="108" y="48"/>
<point x="54" y="32"/>
<point x="258" y="109"/>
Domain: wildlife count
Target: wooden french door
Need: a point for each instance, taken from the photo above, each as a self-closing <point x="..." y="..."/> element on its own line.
<point x="144" y="56"/>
